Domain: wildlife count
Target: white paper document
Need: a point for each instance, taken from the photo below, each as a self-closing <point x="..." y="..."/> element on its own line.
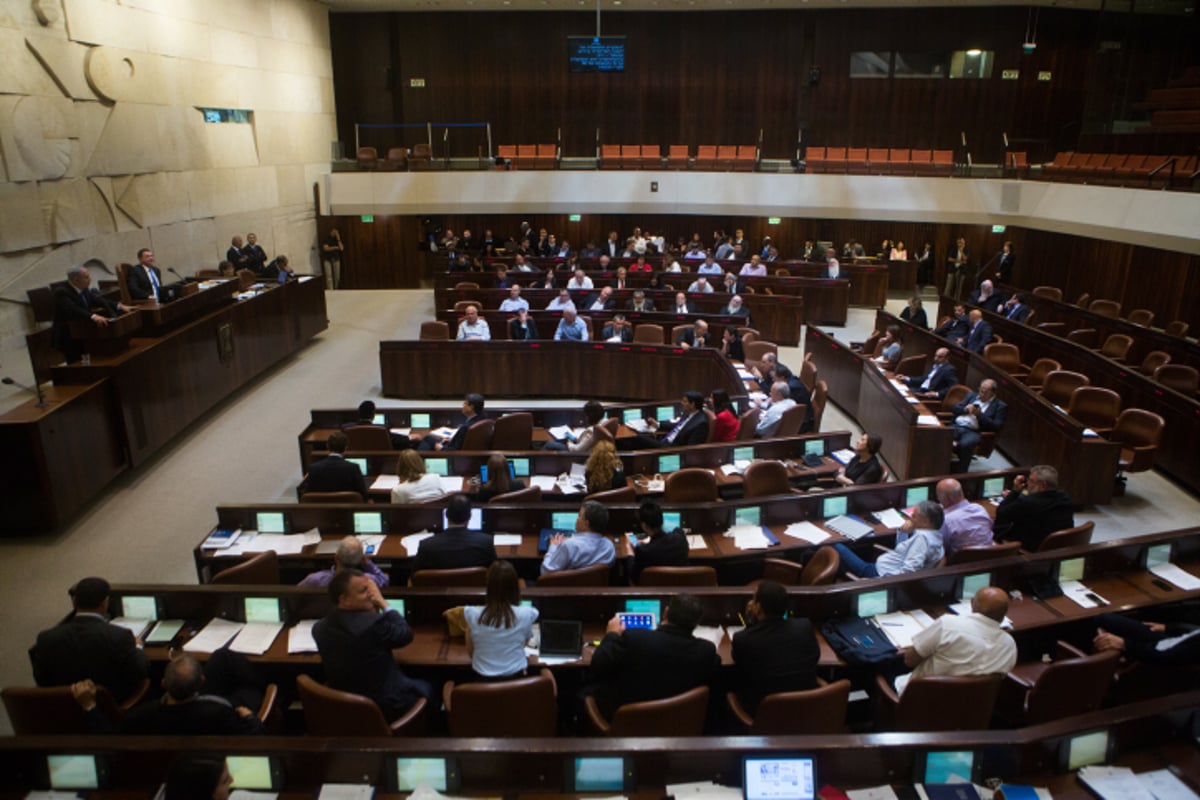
<point x="748" y="537"/>
<point x="400" y="431"/>
<point x="327" y="547"/>
<point x="1163" y="784"/>
<point x="1177" y="575"/>
<point x="346" y="791"/>
<point x="247" y="794"/>
<point x="928" y="419"/>
<point x="385" y="483"/>
<point x="1077" y="593"/>
<point x="731" y="469"/>
<point x="544" y="482"/>
<point x="561" y="432"/>
<point x="281" y="543"/>
<point x="843" y="456"/>
<point x="132" y="624"/>
<point x="806" y="531"/>
<point x="900" y="627"/>
<point x="638" y="426"/>
<point x="891" y="518"/>
<point x="451" y="483"/>
<point x="412" y="542"/>
<point x="213" y="636"/>
<point x="696" y="542"/>
<point x="300" y="637"/>
<point x="255" y="638"/>
<point x="1114" y="783"/>
<point x="444" y="432"/>
<point x="507" y="540"/>
<point x="884" y="792"/>
<point x="709" y="633"/>
<point x="703" y="790"/>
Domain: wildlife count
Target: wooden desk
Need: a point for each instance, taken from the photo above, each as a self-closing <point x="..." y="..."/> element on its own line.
<point x="552" y="369"/>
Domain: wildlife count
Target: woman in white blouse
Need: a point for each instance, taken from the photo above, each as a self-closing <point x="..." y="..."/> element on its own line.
<point x="416" y="485"/>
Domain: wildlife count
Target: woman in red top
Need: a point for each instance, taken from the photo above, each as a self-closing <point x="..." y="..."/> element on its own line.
<point x="726" y="425"/>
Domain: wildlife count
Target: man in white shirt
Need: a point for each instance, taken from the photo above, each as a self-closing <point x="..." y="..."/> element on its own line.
<point x="581" y="282"/>
<point x="562" y="302"/>
<point x="700" y="286"/>
<point x="473" y="328"/>
<point x="781" y="401"/>
<point x="973" y="644"/>
<point x="514" y="302"/>
<point x="519" y="263"/>
<point x="753" y="268"/>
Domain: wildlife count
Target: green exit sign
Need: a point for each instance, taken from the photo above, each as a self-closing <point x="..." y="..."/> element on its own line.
<point x="368" y="217"/>
<point x="997" y="229"/>
<point x="773" y="220"/>
<point x="575" y="218"/>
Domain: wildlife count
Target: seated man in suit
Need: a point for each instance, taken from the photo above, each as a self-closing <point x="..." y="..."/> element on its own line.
<point x="781" y="400"/>
<point x="77" y="301"/>
<point x="1034" y="509"/>
<point x="639" y="302"/>
<point x="941" y="376"/>
<point x="86" y="647"/>
<point x="521" y="328"/>
<point x="955" y="327"/>
<point x="773" y="654"/>
<point x="660" y="548"/>
<point x="143" y="279"/>
<point x="599" y="301"/>
<point x="472" y="408"/>
<point x="633" y="666"/>
<point x="695" y="336"/>
<point x="618" y="329"/>
<point x="587" y="547"/>
<point x="1170" y="645"/>
<point x="356" y="641"/>
<point x="979" y="412"/>
<point x="987" y="298"/>
<point x="682" y="305"/>
<point x="980" y="332"/>
<point x="620" y="281"/>
<point x="456" y="547"/>
<point x="1015" y="309"/>
<point x="334" y="473"/>
<point x="690" y="429"/>
<point x="735" y="308"/>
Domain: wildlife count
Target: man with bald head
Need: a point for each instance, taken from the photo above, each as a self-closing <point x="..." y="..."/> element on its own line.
<point x="979" y="331"/>
<point x="978" y="413"/>
<point x="973" y="644"/>
<point x="349" y="555"/>
<point x="76" y="301"/>
<point x="695" y="336"/>
<point x="965" y="524"/>
<point x="941" y="376"/>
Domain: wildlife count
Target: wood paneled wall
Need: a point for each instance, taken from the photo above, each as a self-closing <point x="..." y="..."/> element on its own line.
<point x="720" y="77"/>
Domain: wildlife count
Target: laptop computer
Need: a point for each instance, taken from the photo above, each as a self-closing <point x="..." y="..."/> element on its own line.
<point x="561" y="638"/>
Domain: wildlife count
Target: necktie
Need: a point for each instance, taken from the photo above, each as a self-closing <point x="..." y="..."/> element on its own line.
<point x="675" y="431"/>
<point x="153" y="279"/>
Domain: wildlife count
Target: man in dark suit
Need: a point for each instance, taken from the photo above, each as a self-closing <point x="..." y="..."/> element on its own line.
<point x="979" y="333"/>
<point x="987" y="298"/>
<point x="256" y="257"/>
<point x="632" y="666"/>
<point x="1004" y="268"/>
<point x="682" y="305"/>
<point x="144" y="279"/>
<point x="663" y="548"/>
<point x="521" y="328"/>
<point x="87" y="647"/>
<point x="1015" y="309"/>
<point x="456" y="547"/>
<point x="472" y="408"/>
<point x="77" y="301"/>
<point x="695" y="336"/>
<point x="234" y="254"/>
<point x="334" y="473"/>
<point x="639" y="302"/>
<point x="773" y="654"/>
<point x="599" y="301"/>
<point x="356" y="640"/>
<point x="955" y="328"/>
<point x="736" y="307"/>
<point x="941" y="376"/>
<point x="690" y="429"/>
<point x="979" y="412"/>
<point x="1034" y="509"/>
<point x="617" y="329"/>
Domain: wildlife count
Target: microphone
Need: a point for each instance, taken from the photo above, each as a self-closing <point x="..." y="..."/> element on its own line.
<point x="37" y="389"/>
<point x="177" y="275"/>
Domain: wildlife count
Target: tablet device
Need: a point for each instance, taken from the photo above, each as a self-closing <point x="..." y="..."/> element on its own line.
<point x="438" y="466"/>
<point x="76" y="771"/>
<point x="367" y="522"/>
<point x="520" y="467"/>
<point x="814" y="447"/>
<point x="259" y="773"/>
<point x="609" y="774"/>
<point x="165" y="631"/>
<point x="1070" y="569"/>
<point x="645" y="622"/>
<point x="743" y="454"/>
<point x="1084" y="750"/>
<point x="271" y="522"/>
<point x="652" y="607"/>
<point x="672" y="520"/>
<point x="992" y="487"/>
<point x="779" y="778"/>
<point x="512" y="471"/>
<point x="437" y="772"/>
<point x="1156" y="556"/>
<point x="361" y="463"/>
<point x="561" y="638"/>
<point x="750" y="515"/>
<point x="833" y="507"/>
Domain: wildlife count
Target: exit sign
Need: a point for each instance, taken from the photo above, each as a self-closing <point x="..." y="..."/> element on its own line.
<point x="997" y="229"/>
<point x="773" y="220"/>
<point x="368" y="217"/>
<point x="575" y="218"/>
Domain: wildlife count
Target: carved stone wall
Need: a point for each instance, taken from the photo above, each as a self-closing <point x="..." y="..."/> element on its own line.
<point x="104" y="148"/>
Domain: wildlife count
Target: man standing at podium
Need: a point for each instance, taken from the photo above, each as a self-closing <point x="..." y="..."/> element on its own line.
<point x="144" y="279"/>
<point x="78" y="301"/>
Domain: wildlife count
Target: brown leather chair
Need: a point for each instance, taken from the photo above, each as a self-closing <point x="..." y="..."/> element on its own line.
<point x="1180" y="377"/>
<point x="462" y="305"/>
<point x="648" y="333"/>
<point x="1117" y="346"/>
<point x="1095" y="407"/>
<point x="1006" y="357"/>
<point x="261" y="569"/>
<point x="397" y="158"/>
<point x="808" y="373"/>
<point x="1061" y="384"/>
<point x="246" y="279"/>
<point x="747" y="422"/>
<point x="1153" y="360"/>
<point x="367" y="158"/>
<point x="1176" y="328"/>
<point x="821" y="570"/>
<point x="463" y="576"/>
<point x="1083" y="300"/>
<point x="912" y="366"/>
<point x="764" y="478"/>
<point x="690" y="485"/>
<point x="819" y="398"/>
<point x="500" y="709"/>
<point x="463" y="286"/>
<point x="1085" y="337"/>
<point x="983" y="552"/>
<point x="435" y="330"/>
<point x="791" y="421"/>
<point x="331" y="497"/>
<point x="1105" y="308"/>
<point x="807" y="713"/>
<point x="612" y="425"/>
<point x="677" y="576"/>
<point x="1068" y="537"/>
<point x="954" y="395"/>
<point x="615" y="497"/>
<point x="937" y="703"/>
<point x="526" y="496"/>
<point x="329" y="712"/>
<point x="1038" y="372"/>
<point x="514" y="517"/>
<point x="681" y="715"/>
<point x="755" y="350"/>
<point x="749" y="335"/>
<point x="1052" y="292"/>
<point x="53" y="711"/>
<point x="1139" y="432"/>
<point x="1141" y="316"/>
<point x="479" y="435"/>
<point x="1073" y="683"/>
<point x="364" y="438"/>
<point x="513" y="432"/>
<point x="588" y="576"/>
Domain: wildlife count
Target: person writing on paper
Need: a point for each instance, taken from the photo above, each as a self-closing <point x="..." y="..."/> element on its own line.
<point x="593" y="414"/>
<point x="456" y="547"/>
<point x="472" y="409"/>
<point x="960" y="645"/>
<point x="472" y="328"/>
<point x="356" y="641"/>
<point x="1034" y="508"/>
<point x="416" y="485"/>
<point x="864" y="467"/>
<point x="920" y="549"/>
<point x="499" y="481"/>
<point x="1175" y="644"/>
<point x="587" y="548"/>
<point x="773" y="654"/>
<point x="498" y="630"/>
<point x="604" y="470"/>
<point x="334" y="473"/>
<point x="660" y="548"/>
<point x="349" y="555"/>
<point x="781" y="401"/>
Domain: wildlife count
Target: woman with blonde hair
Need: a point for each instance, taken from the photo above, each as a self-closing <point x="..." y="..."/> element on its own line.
<point x="604" y="470"/>
<point x="416" y="485"/>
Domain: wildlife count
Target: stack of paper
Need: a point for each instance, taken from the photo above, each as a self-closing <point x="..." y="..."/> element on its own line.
<point x="282" y="543"/>
<point x="748" y="537"/>
<point x="346" y="791"/>
<point x="638" y="426"/>
<point x="901" y="626"/>
<point x="1176" y="575"/>
<point x="1163" y="784"/>
<point x="843" y="456"/>
<point x="400" y="431"/>
<point x="385" y="483"/>
<point x="928" y="419"/>
<point x="255" y="638"/>
<point x="507" y="540"/>
<point x="134" y="625"/>
<point x="849" y="527"/>
<point x="709" y="633"/>
<point x="444" y="432"/>
<point x="221" y="538"/>
<point x="451" y="483"/>
<point x="562" y="432"/>
<point x="215" y="635"/>
<point x="806" y="531"/>
<point x="544" y="482"/>
<point x="703" y="790"/>
<point x="300" y="637"/>
<point x="696" y="542"/>
<point x="890" y="518"/>
<point x="412" y="542"/>
<point x="1114" y="783"/>
<point x="884" y="792"/>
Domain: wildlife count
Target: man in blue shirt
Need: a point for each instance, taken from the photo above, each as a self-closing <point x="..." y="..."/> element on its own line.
<point x="571" y="328"/>
<point x="587" y="548"/>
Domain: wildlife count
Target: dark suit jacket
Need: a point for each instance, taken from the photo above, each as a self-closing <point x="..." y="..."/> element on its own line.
<point x="204" y="716"/>
<point x="456" y="441"/>
<point x="694" y="431"/>
<point x="139" y="285"/>
<point x="666" y="550"/>
<point x="356" y="651"/>
<point x="87" y="646"/>
<point x="1030" y="518"/>
<point x="775" y="655"/>
<point x="992" y="303"/>
<point x="956" y="328"/>
<point x="979" y="337"/>
<point x="947" y="376"/>
<point x="1019" y="312"/>
<point x="516" y="333"/>
<point x="990" y="420"/>
<point x="691" y="308"/>
<point x="256" y="257"/>
<point x="455" y="548"/>
<point x="741" y="312"/>
<point x="1005" y="268"/>
<point x="334" y="474"/>
<point x="688" y="336"/>
<point x="626" y="333"/>
<point x="70" y="306"/>
<point x="586" y="306"/>
<point x="643" y="665"/>
<point x="648" y="305"/>
<point x="920" y="319"/>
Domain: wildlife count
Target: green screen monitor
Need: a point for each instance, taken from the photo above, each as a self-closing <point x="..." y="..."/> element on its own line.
<point x="814" y="447"/>
<point x="1156" y="555"/>
<point x="271" y="522"/>
<point x="870" y="604"/>
<point x="993" y="487"/>
<point x="139" y="607"/>
<point x="1070" y="569"/>
<point x="368" y="522"/>
<point x="520" y="467"/>
<point x="743" y="454"/>
<point x="914" y="495"/>
<point x="261" y="609"/>
<point x="420" y="421"/>
<point x="361" y="463"/>
<point x="672" y="520"/>
<point x="563" y="520"/>
<point x="833" y="507"/>
<point x="396" y="604"/>
<point x="631" y="415"/>
<point x="664" y="413"/>
<point x="379" y="419"/>
<point x="668" y="463"/>
<point x="438" y="466"/>
<point x="751" y="515"/>
<point x="973" y="583"/>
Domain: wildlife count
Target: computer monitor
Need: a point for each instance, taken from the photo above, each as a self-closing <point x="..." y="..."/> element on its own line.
<point x="395" y="604"/>
<point x="668" y="463"/>
<point x="947" y="766"/>
<point x="814" y="447"/>
<point x="611" y="774"/>
<point x="361" y="463"/>
<point x="484" y="472"/>
<point x="779" y="777"/>
<point x="271" y="522"/>
<point x="973" y="583"/>
<point x="438" y="466"/>
<point x="743" y="454"/>
<point x="1085" y="750"/>
<point x="72" y="772"/>
<point x="870" y="604"/>
<point x="1070" y="569"/>
<point x="748" y="515"/>
<point x="379" y="419"/>
<point x="833" y="507"/>
<point x="664" y="413"/>
<point x="915" y="494"/>
<point x="258" y="773"/>
<point x="520" y="467"/>
<point x="262" y="609"/>
<point x="992" y="487"/>
<point x="474" y="522"/>
<point x="563" y="520"/>
<point x="1156" y="555"/>
<point x="436" y="772"/>
<point x="139" y="606"/>
<point x="421" y="421"/>
<point x="672" y="520"/>
<point x="367" y="522"/>
<point x="631" y="415"/>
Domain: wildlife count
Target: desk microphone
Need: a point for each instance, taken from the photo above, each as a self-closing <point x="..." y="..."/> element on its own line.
<point x="176" y="274"/>
<point x="37" y="389"/>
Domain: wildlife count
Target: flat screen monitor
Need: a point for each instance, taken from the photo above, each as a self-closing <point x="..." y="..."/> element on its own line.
<point x="870" y="604"/>
<point x="993" y="487"/>
<point x="631" y="415"/>
<point x="915" y="494"/>
<point x="1156" y="556"/>
<point x="361" y="463"/>
<point x="779" y="778"/>
<point x="520" y="467"/>
<point x="484" y="472"/>
<point x="563" y="520"/>
<point x="743" y="454"/>
<point x="271" y="522"/>
<point x="1084" y="750"/>
<point x="672" y="520"/>
<point x="261" y="609"/>
<point x="396" y="604"/>
<point x="437" y="773"/>
<point x="474" y="522"/>
<point x="139" y="606"/>
<point x="644" y="607"/>
<point x="257" y="773"/>
<point x="973" y="583"/>
<point x="421" y="421"/>
<point x="438" y="466"/>
<point x="664" y="413"/>
<point x="596" y="53"/>
<point x="949" y="766"/>
<point x="833" y="507"/>
<point x="368" y="522"/>
<point x="668" y="463"/>
<point x="1070" y="569"/>
<point x="610" y="774"/>
<point x="74" y="772"/>
<point x="751" y="515"/>
<point x="814" y="447"/>
<point x="379" y="419"/>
